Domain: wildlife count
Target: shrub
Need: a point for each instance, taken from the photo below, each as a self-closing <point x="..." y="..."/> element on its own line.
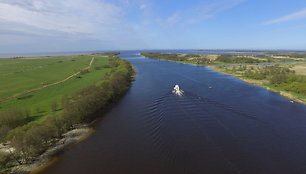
<point x="12" y="118"/>
<point x="278" y="79"/>
<point x="84" y="71"/>
<point x="5" y="159"/>
<point x="297" y="87"/>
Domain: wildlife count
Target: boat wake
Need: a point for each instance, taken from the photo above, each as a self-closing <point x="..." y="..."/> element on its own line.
<point x="181" y="119"/>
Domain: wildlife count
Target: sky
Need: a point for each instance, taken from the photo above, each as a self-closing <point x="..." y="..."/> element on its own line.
<point x="88" y="25"/>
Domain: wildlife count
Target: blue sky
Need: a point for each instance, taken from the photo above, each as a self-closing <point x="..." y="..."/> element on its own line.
<point x="81" y="25"/>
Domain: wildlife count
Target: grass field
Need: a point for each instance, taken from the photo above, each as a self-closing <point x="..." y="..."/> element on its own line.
<point x="20" y="75"/>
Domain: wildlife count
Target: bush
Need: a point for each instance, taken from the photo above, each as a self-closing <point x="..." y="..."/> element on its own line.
<point x="4" y="129"/>
<point x="278" y="79"/>
<point x="297" y="87"/>
<point x="84" y="71"/>
<point x="102" y="67"/>
<point x="5" y="159"/>
<point x="254" y="75"/>
<point x="12" y="118"/>
<point x="225" y="58"/>
<point x="36" y="139"/>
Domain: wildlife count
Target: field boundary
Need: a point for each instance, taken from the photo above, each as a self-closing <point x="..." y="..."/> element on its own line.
<point x="49" y="85"/>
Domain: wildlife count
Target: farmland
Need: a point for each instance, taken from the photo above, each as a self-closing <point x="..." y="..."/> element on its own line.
<point x="21" y="75"/>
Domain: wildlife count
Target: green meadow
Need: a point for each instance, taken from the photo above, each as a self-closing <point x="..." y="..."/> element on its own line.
<point x="23" y="74"/>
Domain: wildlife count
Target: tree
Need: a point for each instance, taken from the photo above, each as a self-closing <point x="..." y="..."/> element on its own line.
<point x="12" y="118"/>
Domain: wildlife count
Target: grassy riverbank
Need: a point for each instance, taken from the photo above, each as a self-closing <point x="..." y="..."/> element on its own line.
<point x="288" y="79"/>
<point x="42" y="98"/>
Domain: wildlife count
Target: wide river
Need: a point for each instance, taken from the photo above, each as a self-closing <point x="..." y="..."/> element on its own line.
<point x="220" y="125"/>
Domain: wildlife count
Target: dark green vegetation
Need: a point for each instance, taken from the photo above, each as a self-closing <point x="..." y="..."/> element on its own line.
<point x="33" y="122"/>
<point x="211" y="59"/>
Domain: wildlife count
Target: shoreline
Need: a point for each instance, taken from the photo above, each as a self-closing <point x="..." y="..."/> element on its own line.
<point x="51" y="155"/>
<point x="259" y="83"/>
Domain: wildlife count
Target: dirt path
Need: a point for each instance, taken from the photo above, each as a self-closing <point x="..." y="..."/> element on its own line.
<point x="49" y="85"/>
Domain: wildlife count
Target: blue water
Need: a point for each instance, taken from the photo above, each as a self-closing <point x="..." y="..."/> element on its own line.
<point x="221" y="125"/>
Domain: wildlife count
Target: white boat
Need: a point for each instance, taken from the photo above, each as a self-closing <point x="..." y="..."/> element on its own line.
<point x="176" y="90"/>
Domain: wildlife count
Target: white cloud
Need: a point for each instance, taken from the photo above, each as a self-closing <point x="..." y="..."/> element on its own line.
<point x="96" y="24"/>
<point x="80" y="24"/>
<point x="68" y="16"/>
<point x="209" y="9"/>
<point x="291" y="17"/>
<point x="173" y="18"/>
<point x="200" y="12"/>
<point x="142" y="6"/>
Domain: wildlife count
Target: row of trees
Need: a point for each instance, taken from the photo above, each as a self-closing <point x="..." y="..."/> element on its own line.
<point x="80" y="107"/>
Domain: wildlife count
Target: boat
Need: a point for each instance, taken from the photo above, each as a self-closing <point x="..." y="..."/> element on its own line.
<point x="177" y="91"/>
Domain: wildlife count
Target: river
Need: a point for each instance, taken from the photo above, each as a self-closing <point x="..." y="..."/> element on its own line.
<point x="221" y="125"/>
